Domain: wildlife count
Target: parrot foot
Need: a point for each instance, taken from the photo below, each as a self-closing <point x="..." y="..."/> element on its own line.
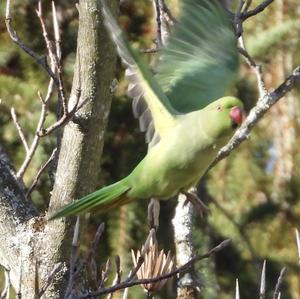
<point x="153" y="213"/>
<point x="199" y="205"/>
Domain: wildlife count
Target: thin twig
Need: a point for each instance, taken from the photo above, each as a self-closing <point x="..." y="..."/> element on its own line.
<point x="42" y="61"/>
<point x="135" y="269"/>
<point x="97" y="237"/>
<point x="49" y="44"/>
<point x="262" y="288"/>
<point x="20" y="277"/>
<point x="49" y="90"/>
<point x="298" y="244"/>
<point x="50" y="278"/>
<point x="125" y="294"/>
<point x="238" y="19"/>
<point x="237" y="289"/>
<point x="91" y="254"/>
<point x="65" y="118"/>
<point x="36" y="139"/>
<point x="256" y="67"/>
<point x="181" y="269"/>
<point x="36" y="279"/>
<point x="167" y="13"/>
<point x="51" y="47"/>
<point x="150" y="50"/>
<point x="19" y="128"/>
<point x="56" y="32"/>
<point x="259" y="8"/>
<point x="279" y="283"/>
<point x="158" y="23"/>
<point x="118" y="269"/>
<point x="105" y="274"/>
<point x="118" y="277"/>
<point x="54" y="51"/>
<point x="42" y="169"/>
<point x="247" y="5"/>
<point x="74" y="254"/>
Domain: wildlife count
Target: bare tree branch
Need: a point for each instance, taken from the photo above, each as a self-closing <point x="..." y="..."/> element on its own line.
<point x="56" y="32"/>
<point x="24" y="234"/>
<point x="167" y="13"/>
<point x="259" y="8"/>
<point x="42" y="61"/>
<point x="50" y="278"/>
<point x="279" y="283"/>
<point x="66" y="117"/>
<point x="36" y="139"/>
<point x="19" y="128"/>
<point x="54" y="52"/>
<point x="257" y="112"/>
<point x="181" y="269"/>
<point x="74" y="255"/>
<point x="262" y="287"/>
<point x="158" y="23"/>
<point x="237" y="289"/>
<point x="42" y="169"/>
<point x="257" y="68"/>
<point x="298" y="244"/>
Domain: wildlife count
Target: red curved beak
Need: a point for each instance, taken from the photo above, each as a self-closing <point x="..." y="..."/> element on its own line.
<point x="237" y="115"/>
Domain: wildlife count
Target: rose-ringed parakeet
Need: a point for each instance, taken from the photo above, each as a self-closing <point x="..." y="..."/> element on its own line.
<point x="182" y="108"/>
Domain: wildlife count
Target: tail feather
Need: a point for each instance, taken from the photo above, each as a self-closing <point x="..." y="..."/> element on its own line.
<point x="103" y="199"/>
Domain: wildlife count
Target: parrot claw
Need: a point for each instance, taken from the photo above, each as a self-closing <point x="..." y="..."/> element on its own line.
<point x="202" y="209"/>
<point x="153" y="213"/>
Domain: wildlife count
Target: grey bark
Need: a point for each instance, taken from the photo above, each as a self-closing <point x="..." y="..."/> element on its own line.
<point x="27" y="239"/>
<point x="15" y="212"/>
<point x="188" y="284"/>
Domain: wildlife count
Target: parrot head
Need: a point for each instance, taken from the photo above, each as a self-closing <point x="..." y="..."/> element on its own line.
<point x="225" y="115"/>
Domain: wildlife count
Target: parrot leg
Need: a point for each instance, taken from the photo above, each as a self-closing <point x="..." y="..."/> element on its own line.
<point x="200" y="206"/>
<point x="153" y="213"/>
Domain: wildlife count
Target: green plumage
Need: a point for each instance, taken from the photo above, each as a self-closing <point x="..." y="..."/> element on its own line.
<point x="200" y="60"/>
<point x="103" y="198"/>
<point x="185" y="144"/>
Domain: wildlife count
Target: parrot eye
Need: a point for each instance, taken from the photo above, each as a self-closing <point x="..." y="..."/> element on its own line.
<point x="219" y="108"/>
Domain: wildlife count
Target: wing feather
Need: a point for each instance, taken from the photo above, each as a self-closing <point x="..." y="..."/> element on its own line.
<point x="143" y="88"/>
<point x="200" y="59"/>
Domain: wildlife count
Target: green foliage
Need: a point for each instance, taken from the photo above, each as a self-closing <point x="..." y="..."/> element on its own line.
<point x="263" y="44"/>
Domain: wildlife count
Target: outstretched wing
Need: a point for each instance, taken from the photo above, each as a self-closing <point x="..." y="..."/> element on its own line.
<point x="200" y="59"/>
<point x="150" y="103"/>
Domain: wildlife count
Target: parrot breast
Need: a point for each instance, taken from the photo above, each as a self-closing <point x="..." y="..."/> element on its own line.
<point x="178" y="161"/>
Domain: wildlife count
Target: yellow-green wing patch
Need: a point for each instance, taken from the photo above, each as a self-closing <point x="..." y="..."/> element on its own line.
<point x="157" y="114"/>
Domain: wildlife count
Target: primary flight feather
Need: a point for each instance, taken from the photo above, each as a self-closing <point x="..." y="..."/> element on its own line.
<point x="182" y="109"/>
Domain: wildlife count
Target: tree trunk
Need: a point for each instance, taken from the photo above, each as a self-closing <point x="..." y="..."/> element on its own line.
<point x="28" y="241"/>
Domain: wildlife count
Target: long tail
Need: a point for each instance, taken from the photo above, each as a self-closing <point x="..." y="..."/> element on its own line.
<point x="104" y="199"/>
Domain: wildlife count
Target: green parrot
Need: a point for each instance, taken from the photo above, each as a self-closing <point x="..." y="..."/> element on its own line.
<point x="182" y="109"/>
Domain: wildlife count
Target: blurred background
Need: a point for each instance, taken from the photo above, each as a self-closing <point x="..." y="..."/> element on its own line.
<point x="254" y="194"/>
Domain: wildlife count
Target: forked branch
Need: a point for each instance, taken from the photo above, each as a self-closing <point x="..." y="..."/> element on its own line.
<point x="55" y="73"/>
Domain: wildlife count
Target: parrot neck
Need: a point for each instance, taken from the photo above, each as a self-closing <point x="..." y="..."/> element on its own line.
<point x="220" y="129"/>
<point x="198" y="126"/>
